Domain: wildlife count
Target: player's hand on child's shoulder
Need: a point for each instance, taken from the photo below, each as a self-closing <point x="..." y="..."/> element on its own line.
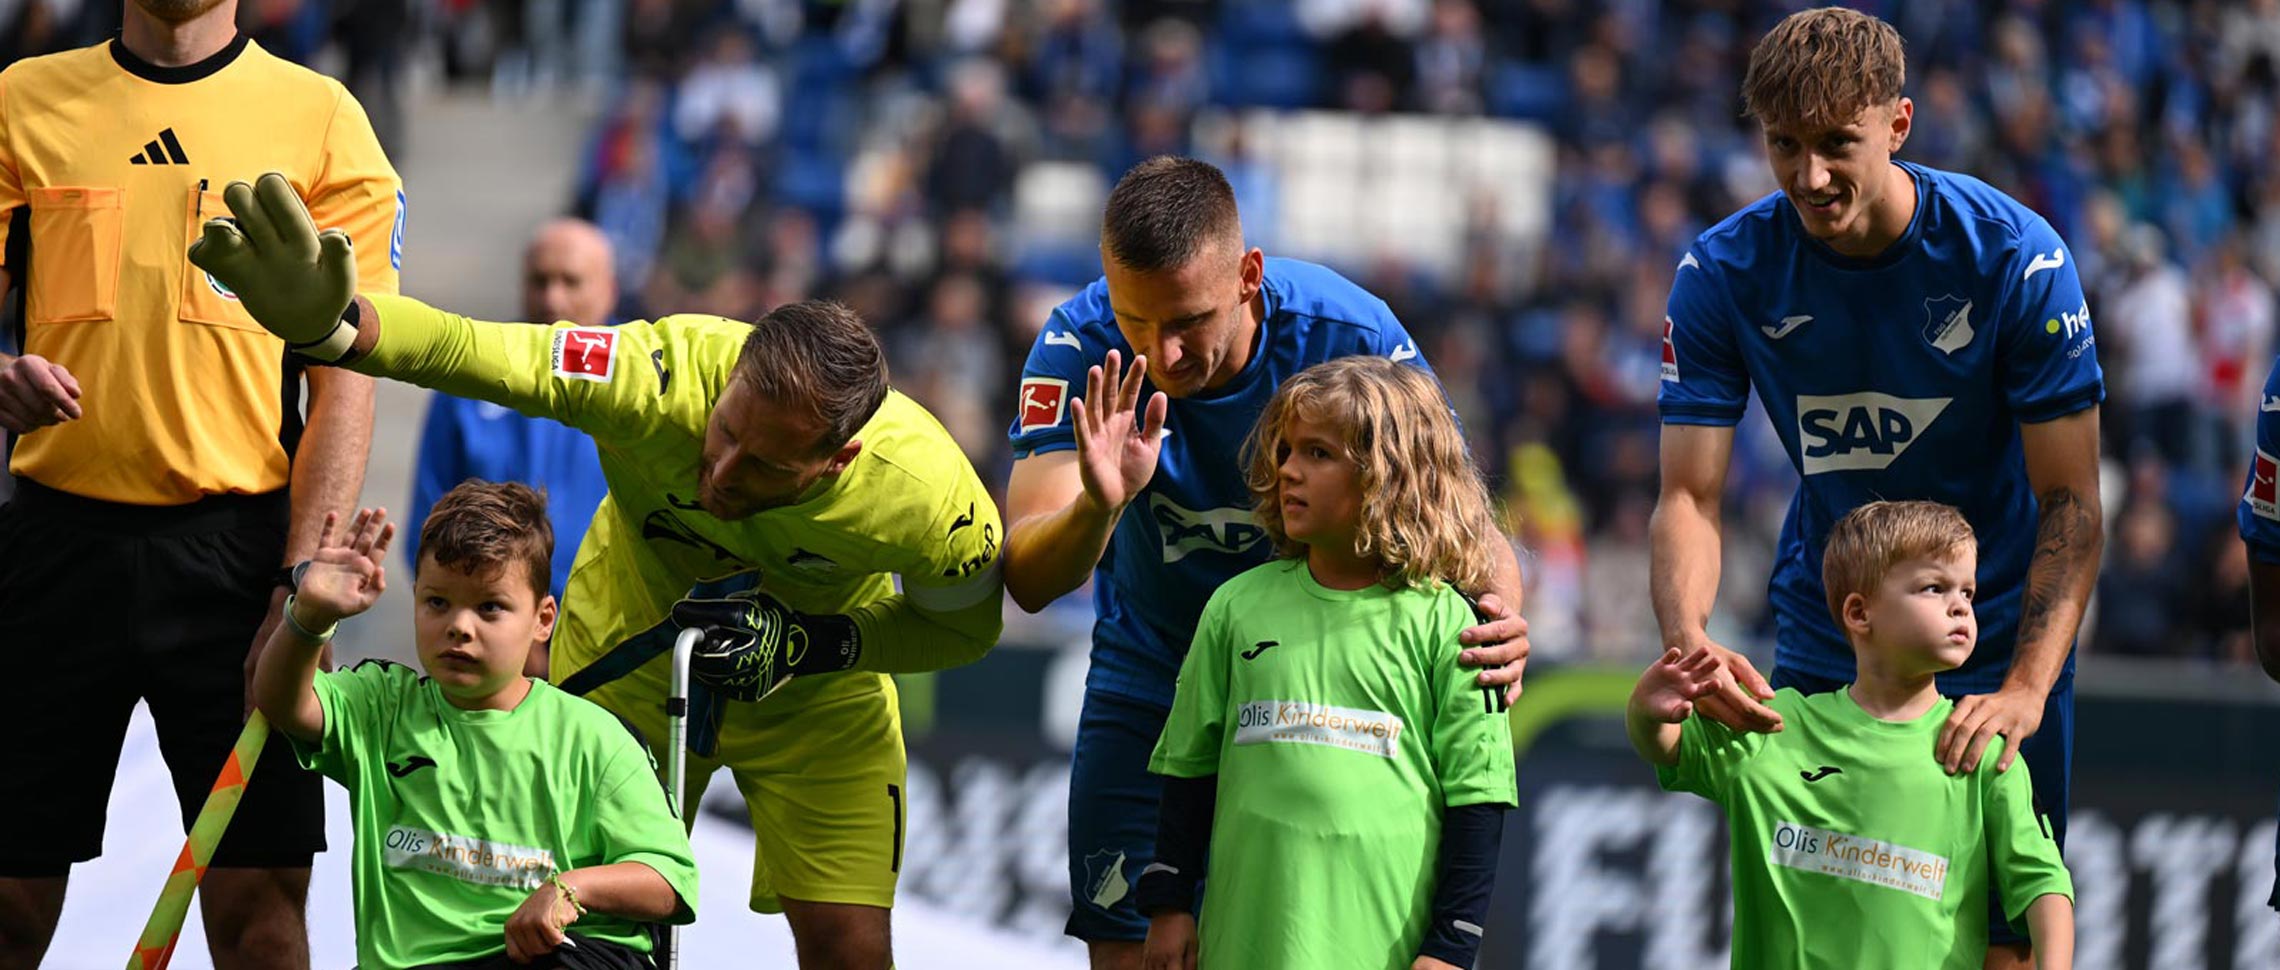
<point x="540" y="924"/>
<point x="1171" y="942"/>
<point x="1675" y="682"/>
<point x="345" y="577"/>
<point x="1498" y="645"/>
<point x="1739" y="701"/>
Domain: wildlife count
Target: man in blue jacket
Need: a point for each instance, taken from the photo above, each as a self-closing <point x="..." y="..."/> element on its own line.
<point x="567" y="275"/>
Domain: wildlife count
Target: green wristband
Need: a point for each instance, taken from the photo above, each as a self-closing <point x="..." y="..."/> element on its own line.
<point x="313" y="636"/>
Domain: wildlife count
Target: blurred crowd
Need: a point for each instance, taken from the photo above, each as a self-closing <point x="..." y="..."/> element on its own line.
<point x="884" y="152"/>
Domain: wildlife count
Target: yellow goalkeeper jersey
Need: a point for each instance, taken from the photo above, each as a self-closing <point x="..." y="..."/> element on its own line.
<point x="908" y="506"/>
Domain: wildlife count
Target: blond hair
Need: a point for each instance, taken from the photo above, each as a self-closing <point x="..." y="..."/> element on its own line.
<point x="1821" y="67"/>
<point x="1425" y="511"/>
<point x="1873" y="538"/>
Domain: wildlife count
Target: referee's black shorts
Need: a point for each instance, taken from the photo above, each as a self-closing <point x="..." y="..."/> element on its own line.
<point x="102" y="605"/>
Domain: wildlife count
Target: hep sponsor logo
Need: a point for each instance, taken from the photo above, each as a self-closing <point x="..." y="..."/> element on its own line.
<point x="2068" y="324"/>
<point x="1860" y="432"/>
<point x="585" y="353"/>
<point x="1300" y="722"/>
<point x="1043" y="401"/>
<point x="2263" y="496"/>
<point x="1228" y="530"/>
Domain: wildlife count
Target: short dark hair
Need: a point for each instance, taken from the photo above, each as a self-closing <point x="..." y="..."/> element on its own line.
<point x="1164" y="211"/>
<point x="480" y="525"/>
<point x="819" y="356"/>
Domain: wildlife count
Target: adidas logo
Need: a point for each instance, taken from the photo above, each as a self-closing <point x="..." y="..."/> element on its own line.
<point x="163" y="150"/>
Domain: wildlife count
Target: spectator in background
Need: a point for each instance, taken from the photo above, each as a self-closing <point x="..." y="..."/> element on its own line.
<point x="951" y="360"/>
<point x="728" y="98"/>
<point x="2143" y="586"/>
<point x="973" y="166"/>
<point x="567" y="278"/>
<point x="2148" y="332"/>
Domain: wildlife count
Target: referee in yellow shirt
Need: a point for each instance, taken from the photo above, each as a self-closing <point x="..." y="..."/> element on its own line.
<point x="165" y="472"/>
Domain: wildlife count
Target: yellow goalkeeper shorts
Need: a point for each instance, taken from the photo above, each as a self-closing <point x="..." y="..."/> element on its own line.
<point x="820" y="764"/>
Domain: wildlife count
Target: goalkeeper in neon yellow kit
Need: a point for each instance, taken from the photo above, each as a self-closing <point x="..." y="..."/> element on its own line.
<point x="765" y="466"/>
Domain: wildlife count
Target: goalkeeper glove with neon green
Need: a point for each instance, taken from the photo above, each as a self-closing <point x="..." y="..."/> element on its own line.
<point x="295" y="281"/>
<point x="753" y="644"/>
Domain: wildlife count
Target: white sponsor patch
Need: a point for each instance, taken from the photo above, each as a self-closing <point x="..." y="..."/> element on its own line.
<point x="1858" y="859"/>
<point x="1297" y="722"/>
<point x="1860" y="432"/>
<point x="1185" y="530"/>
<point x="478" y="861"/>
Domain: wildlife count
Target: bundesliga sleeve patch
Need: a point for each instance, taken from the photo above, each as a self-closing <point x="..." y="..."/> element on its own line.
<point x="2263" y="496"/>
<point x="585" y="353"/>
<point x="1043" y="401"/>
<point x="1670" y="351"/>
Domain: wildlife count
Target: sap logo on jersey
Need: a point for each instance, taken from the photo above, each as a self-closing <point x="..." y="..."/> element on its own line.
<point x="1185" y="530"/>
<point x="1860" y="432"/>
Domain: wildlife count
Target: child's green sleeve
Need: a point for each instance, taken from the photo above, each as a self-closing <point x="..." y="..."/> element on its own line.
<point x="1471" y="731"/>
<point x="2022" y="853"/>
<point x="1198" y="723"/>
<point x="1710" y="754"/>
<point x="355" y="701"/>
<point x="632" y="823"/>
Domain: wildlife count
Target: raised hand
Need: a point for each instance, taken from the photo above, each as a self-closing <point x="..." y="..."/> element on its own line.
<point x="292" y="279"/>
<point x="1116" y="443"/>
<point x="345" y="577"/>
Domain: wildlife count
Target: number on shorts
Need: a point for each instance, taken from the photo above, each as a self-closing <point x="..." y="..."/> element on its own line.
<point x="894" y="796"/>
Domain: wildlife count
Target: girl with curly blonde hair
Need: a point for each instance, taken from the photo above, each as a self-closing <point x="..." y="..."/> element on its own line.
<point x="1330" y="765"/>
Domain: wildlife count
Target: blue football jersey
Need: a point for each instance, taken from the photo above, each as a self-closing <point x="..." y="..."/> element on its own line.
<point x="1901" y="377"/>
<point x="1191" y="529"/>
<point x="2260" y="497"/>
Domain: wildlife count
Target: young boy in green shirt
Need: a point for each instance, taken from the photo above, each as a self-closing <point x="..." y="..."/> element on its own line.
<point x="493" y="812"/>
<point x="1852" y="847"/>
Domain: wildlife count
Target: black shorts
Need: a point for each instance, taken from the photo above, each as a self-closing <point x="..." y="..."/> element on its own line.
<point x="589" y="954"/>
<point x="102" y="605"/>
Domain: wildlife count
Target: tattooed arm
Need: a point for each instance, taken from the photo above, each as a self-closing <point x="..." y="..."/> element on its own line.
<point x="2062" y="467"/>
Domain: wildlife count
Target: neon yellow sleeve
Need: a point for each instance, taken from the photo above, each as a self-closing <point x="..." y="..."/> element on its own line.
<point x="609" y="382"/>
<point x="951" y="607"/>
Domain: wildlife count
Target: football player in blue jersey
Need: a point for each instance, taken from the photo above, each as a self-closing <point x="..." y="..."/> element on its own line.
<point x="1135" y="477"/>
<point x="2259" y="519"/>
<point x="1913" y="334"/>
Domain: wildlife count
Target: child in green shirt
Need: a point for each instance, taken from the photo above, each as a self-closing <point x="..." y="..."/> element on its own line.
<point x="1852" y="846"/>
<point x="493" y="812"/>
<point x="1343" y="777"/>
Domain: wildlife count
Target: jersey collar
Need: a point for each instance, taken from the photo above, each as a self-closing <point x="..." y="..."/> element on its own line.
<point x="184" y="74"/>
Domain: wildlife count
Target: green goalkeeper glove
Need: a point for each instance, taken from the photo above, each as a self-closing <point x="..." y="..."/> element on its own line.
<point x="753" y="643"/>
<point x="295" y="281"/>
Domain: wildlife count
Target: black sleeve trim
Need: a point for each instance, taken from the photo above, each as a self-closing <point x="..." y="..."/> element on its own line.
<point x="1183" y="843"/>
<point x="1471" y="836"/>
